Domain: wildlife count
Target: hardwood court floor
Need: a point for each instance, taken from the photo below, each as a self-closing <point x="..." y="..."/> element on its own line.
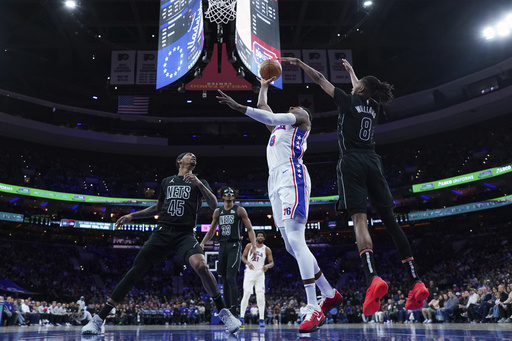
<point x="370" y="332"/>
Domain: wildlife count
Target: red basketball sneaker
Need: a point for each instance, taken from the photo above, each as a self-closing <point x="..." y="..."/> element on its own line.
<point x="328" y="303"/>
<point x="312" y="321"/>
<point x="417" y="296"/>
<point x="374" y="294"/>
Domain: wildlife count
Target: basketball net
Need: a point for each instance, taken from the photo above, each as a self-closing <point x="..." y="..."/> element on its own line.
<point x="221" y="11"/>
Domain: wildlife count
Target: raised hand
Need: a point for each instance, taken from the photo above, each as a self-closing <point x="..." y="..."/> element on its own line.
<point x="225" y="99"/>
<point x="347" y="66"/>
<point x="266" y="82"/>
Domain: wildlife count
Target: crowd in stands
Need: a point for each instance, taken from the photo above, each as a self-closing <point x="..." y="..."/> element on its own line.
<point x="467" y="282"/>
<point x="424" y="159"/>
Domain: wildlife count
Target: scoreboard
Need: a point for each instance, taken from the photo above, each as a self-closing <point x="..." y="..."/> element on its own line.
<point x="257" y="34"/>
<point x="180" y="39"/>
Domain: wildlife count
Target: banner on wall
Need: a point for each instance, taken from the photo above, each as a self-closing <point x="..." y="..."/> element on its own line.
<point x="122" y="69"/>
<point x="336" y="67"/>
<point x="291" y="74"/>
<point x="317" y="59"/>
<point x="146" y="67"/>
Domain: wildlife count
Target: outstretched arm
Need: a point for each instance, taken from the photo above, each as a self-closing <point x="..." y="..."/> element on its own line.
<point x="351" y="72"/>
<point x="316" y="76"/>
<point x="145" y="213"/>
<point x="259" y="115"/>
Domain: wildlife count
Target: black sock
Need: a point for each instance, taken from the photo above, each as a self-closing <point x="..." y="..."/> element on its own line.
<point x="368" y="265"/>
<point x="219" y="302"/>
<point x="412" y="271"/>
<point x="106" y="310"/>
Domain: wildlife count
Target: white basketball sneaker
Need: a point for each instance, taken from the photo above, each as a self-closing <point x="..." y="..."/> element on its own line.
<point x="94" y="327"/>
<point x="232" y="323"/>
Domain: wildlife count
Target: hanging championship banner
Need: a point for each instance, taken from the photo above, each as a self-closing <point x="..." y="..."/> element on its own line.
<point x="146" y="67"/>
<point x="122" y="69"/>
<point x="317" y="59"/>
<point x="336" y="68"/>
<point x="291" y="73"/>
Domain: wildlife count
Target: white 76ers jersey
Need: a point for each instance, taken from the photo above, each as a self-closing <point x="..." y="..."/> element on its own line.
<point x="286" y="142"/>
<point x="259" y="260"/>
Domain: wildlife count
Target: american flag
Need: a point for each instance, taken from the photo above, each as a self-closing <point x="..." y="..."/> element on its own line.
<point x="133" y="105"/>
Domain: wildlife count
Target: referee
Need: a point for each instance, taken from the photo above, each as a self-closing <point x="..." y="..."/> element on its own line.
<point x="180" y="198"/>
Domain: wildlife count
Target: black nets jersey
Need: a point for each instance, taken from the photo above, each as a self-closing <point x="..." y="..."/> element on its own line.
<point x="181" y="201"/>
<point x="357" y="118"/>
<point x="230" y="224"/>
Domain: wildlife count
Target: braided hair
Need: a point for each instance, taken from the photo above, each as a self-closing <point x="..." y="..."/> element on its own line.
<point x="381" y="92"/>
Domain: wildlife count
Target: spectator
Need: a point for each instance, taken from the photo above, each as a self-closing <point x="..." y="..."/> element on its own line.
<point x="486" y="304"/>
<point x="400" y="311"/>
<point x="500" y="305"/>
<point x="184" y="310"/>
<point x="167" y="314"/>
<point x="81" y="303"/>
<point x="8" y="314"/>
<point x="277" y="314"/>
<point x="429" y="312"/>
<point x="449" y="305"/>
<point x="289" y="315"/>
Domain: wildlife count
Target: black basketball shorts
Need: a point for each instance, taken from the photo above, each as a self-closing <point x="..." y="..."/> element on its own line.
<point x="166" y="241"/>
<point x="360" y="177"/>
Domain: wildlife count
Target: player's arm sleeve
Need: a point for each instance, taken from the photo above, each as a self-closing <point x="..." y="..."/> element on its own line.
<point x="269" y="118"/>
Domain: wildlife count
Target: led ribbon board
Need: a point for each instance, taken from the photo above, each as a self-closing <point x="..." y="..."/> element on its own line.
<point x="462" y="179"/>
<point x="460" y="209"/>
<point x="93" y="199"/>
<point x="78" y="198"/>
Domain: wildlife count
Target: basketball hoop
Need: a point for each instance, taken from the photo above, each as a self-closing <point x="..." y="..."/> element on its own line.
<point x="221" y="11"/>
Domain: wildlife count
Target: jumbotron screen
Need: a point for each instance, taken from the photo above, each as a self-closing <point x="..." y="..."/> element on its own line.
<point x="180" y="39"/>
<point x="257" y="34"/>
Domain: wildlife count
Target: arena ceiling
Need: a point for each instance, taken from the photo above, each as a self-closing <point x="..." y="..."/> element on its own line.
<point x="49" y="52"/>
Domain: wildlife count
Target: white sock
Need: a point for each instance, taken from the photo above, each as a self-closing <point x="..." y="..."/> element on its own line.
<point x="324" y="287"/>
<point x="311" y="295"/>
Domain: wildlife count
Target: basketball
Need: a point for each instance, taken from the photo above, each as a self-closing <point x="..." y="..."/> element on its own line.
<point x="270" y="68"/>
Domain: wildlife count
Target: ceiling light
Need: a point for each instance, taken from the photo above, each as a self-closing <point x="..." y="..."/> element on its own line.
<point x="70" y="4"/>
<point x="508" y="20"/>
<point x="503" y="29"/>
<point x="367" y="3"/>
<point x="489" y="33"/>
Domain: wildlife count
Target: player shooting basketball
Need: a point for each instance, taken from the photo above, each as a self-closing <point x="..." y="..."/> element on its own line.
<point x="289" y="188"/>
